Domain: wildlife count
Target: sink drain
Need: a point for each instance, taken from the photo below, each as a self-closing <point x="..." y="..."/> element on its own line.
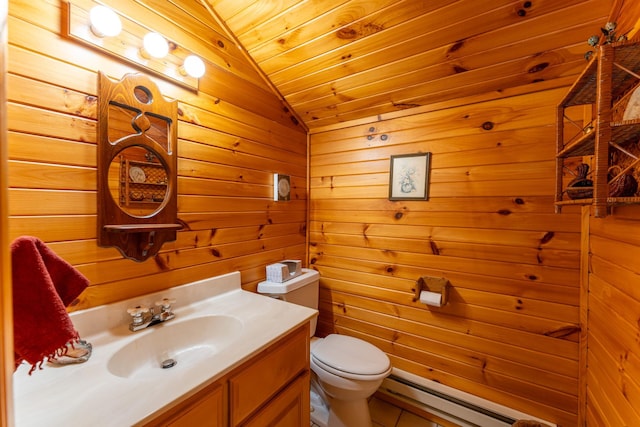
<point x="169" y="363"/>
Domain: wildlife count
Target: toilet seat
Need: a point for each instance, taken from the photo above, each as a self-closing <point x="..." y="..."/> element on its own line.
<point x="350" y="357"/>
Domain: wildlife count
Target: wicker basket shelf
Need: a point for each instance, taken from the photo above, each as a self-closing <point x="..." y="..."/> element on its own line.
<point x="602" y="138"/>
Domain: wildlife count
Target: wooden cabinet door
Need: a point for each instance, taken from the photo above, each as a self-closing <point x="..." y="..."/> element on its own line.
<point x="264" y="376"/>
<point x="208" y="408"/>
<point x="290" y="408"/>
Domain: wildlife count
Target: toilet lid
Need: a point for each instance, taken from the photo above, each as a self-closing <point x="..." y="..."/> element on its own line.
<point x="351" y="355"/>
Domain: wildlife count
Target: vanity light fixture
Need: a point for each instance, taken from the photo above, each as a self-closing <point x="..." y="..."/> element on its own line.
<point x="104" y="22"/>
<point x="154" y="45"/>
<point x="193" y="66"/>
<point x="108" y="31"/>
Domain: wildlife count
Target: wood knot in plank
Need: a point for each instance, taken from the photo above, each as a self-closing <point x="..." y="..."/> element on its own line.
<point x="563" y="331"/>
<point x="404" y="106"/>
<point x="161" y="262"/>
<point x="538" y="67"/>
<point x="347" y="33"/>
<point x="456" y="46"/>
<point x="547" y="237"/>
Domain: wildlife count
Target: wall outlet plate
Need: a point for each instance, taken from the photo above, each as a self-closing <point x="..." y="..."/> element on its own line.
<point x="281" y="187"/>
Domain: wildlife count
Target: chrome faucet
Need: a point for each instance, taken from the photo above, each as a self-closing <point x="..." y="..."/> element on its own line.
<point x="142" y="317"/>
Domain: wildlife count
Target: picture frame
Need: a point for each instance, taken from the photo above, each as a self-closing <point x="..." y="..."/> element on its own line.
<point x="409" y="176"/>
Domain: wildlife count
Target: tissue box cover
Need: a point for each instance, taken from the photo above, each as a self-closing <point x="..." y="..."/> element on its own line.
<point x="283" y="270"/>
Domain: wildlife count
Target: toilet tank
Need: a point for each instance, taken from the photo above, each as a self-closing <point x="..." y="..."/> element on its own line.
<point x="301" y="290"/>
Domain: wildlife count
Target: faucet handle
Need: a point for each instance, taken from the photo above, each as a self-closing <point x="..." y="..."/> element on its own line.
<point x="137" y="310"/>
<point x="165" y="303"/>
<point x="137" y="313"/>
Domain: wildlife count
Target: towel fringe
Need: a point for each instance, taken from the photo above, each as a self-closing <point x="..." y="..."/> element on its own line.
<point x="59" y="352"/>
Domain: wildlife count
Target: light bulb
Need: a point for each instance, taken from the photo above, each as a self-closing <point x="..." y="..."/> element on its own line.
<point x="104" y="22"/>
<point x="155" y="45"/>
<point x="193" y="66"/>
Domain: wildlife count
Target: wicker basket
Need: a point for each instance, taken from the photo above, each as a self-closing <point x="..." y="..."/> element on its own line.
<point x="580" y="187"/>
<point x="621" y="185"/>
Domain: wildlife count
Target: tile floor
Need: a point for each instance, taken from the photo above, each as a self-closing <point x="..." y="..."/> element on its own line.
<point x="385" y="414"/>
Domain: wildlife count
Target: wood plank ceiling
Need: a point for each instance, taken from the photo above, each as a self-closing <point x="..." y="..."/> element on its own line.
<point x="340" y="60"/>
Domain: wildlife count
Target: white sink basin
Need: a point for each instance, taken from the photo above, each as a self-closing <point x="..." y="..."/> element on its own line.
<point x="183" y="342"/>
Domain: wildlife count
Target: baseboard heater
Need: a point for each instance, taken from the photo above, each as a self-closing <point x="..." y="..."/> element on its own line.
<point x="450" y="404"/>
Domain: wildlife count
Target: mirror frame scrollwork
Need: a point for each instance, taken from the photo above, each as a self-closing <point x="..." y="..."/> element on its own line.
<point x="138" y="237"/>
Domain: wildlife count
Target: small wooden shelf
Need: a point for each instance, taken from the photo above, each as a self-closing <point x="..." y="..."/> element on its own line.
<point x="574" y="202"/>
<point x="149" y="193"/>
<point x="580" y="146"/>
<point x="140" y="228"/>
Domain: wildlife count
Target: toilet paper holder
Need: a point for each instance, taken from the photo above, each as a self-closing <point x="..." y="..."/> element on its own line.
<point x="432" y="284"/>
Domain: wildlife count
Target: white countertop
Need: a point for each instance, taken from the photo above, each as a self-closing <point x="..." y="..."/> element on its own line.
<point x="89" y="394"/>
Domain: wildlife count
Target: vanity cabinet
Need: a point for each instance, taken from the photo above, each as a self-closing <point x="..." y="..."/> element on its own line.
<point x="290" y="408"/>
<point x="205" y="409"/>
<point x="270" y="377"/>
<point x="271" y="388"/>
<point x="598" y="126"/>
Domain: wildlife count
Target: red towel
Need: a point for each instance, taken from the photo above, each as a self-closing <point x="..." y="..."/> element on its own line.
<point x="43" y="285"/>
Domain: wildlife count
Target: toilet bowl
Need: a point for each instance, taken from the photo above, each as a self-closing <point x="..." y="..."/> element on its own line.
<point x="348" y="371"/>
<point x="345" y="370"/>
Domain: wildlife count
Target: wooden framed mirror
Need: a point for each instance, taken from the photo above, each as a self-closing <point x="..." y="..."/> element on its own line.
<point x="137" y="166"/>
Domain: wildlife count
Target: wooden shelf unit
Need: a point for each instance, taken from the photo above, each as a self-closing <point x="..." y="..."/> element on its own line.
<point x="152" y="190"/>
<point x="603" y="89"/>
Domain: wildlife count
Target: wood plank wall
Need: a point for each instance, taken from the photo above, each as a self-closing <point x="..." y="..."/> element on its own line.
<point x="610" y="301"/>
<point x="233" y="135"/>
<point x="510" y="332"/>
<point x="613" y="355"/>
<point x="6" y="302"/>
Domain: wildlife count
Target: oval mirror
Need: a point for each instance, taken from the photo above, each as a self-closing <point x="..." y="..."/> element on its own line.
<point x="138" y="181"/>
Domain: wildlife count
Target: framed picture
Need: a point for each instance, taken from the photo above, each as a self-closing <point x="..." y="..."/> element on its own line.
<point x="409" y="177"/>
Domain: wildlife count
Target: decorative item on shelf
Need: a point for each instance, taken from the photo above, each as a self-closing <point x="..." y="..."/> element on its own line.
<point x="580" y="187"/>
<point x="136" y="196"/>
<point x="609" y="33"/>
<point x="632" y="110"/>
<point x="157" y="197"/>
<point x="137" y="174"/>
<point x="621" y="184"/>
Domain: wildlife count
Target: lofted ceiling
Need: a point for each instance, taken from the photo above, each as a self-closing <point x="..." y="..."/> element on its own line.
<point x="340" y="60"/>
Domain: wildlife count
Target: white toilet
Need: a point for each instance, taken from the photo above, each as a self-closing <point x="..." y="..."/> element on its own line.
<point x="347" y="370"/>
